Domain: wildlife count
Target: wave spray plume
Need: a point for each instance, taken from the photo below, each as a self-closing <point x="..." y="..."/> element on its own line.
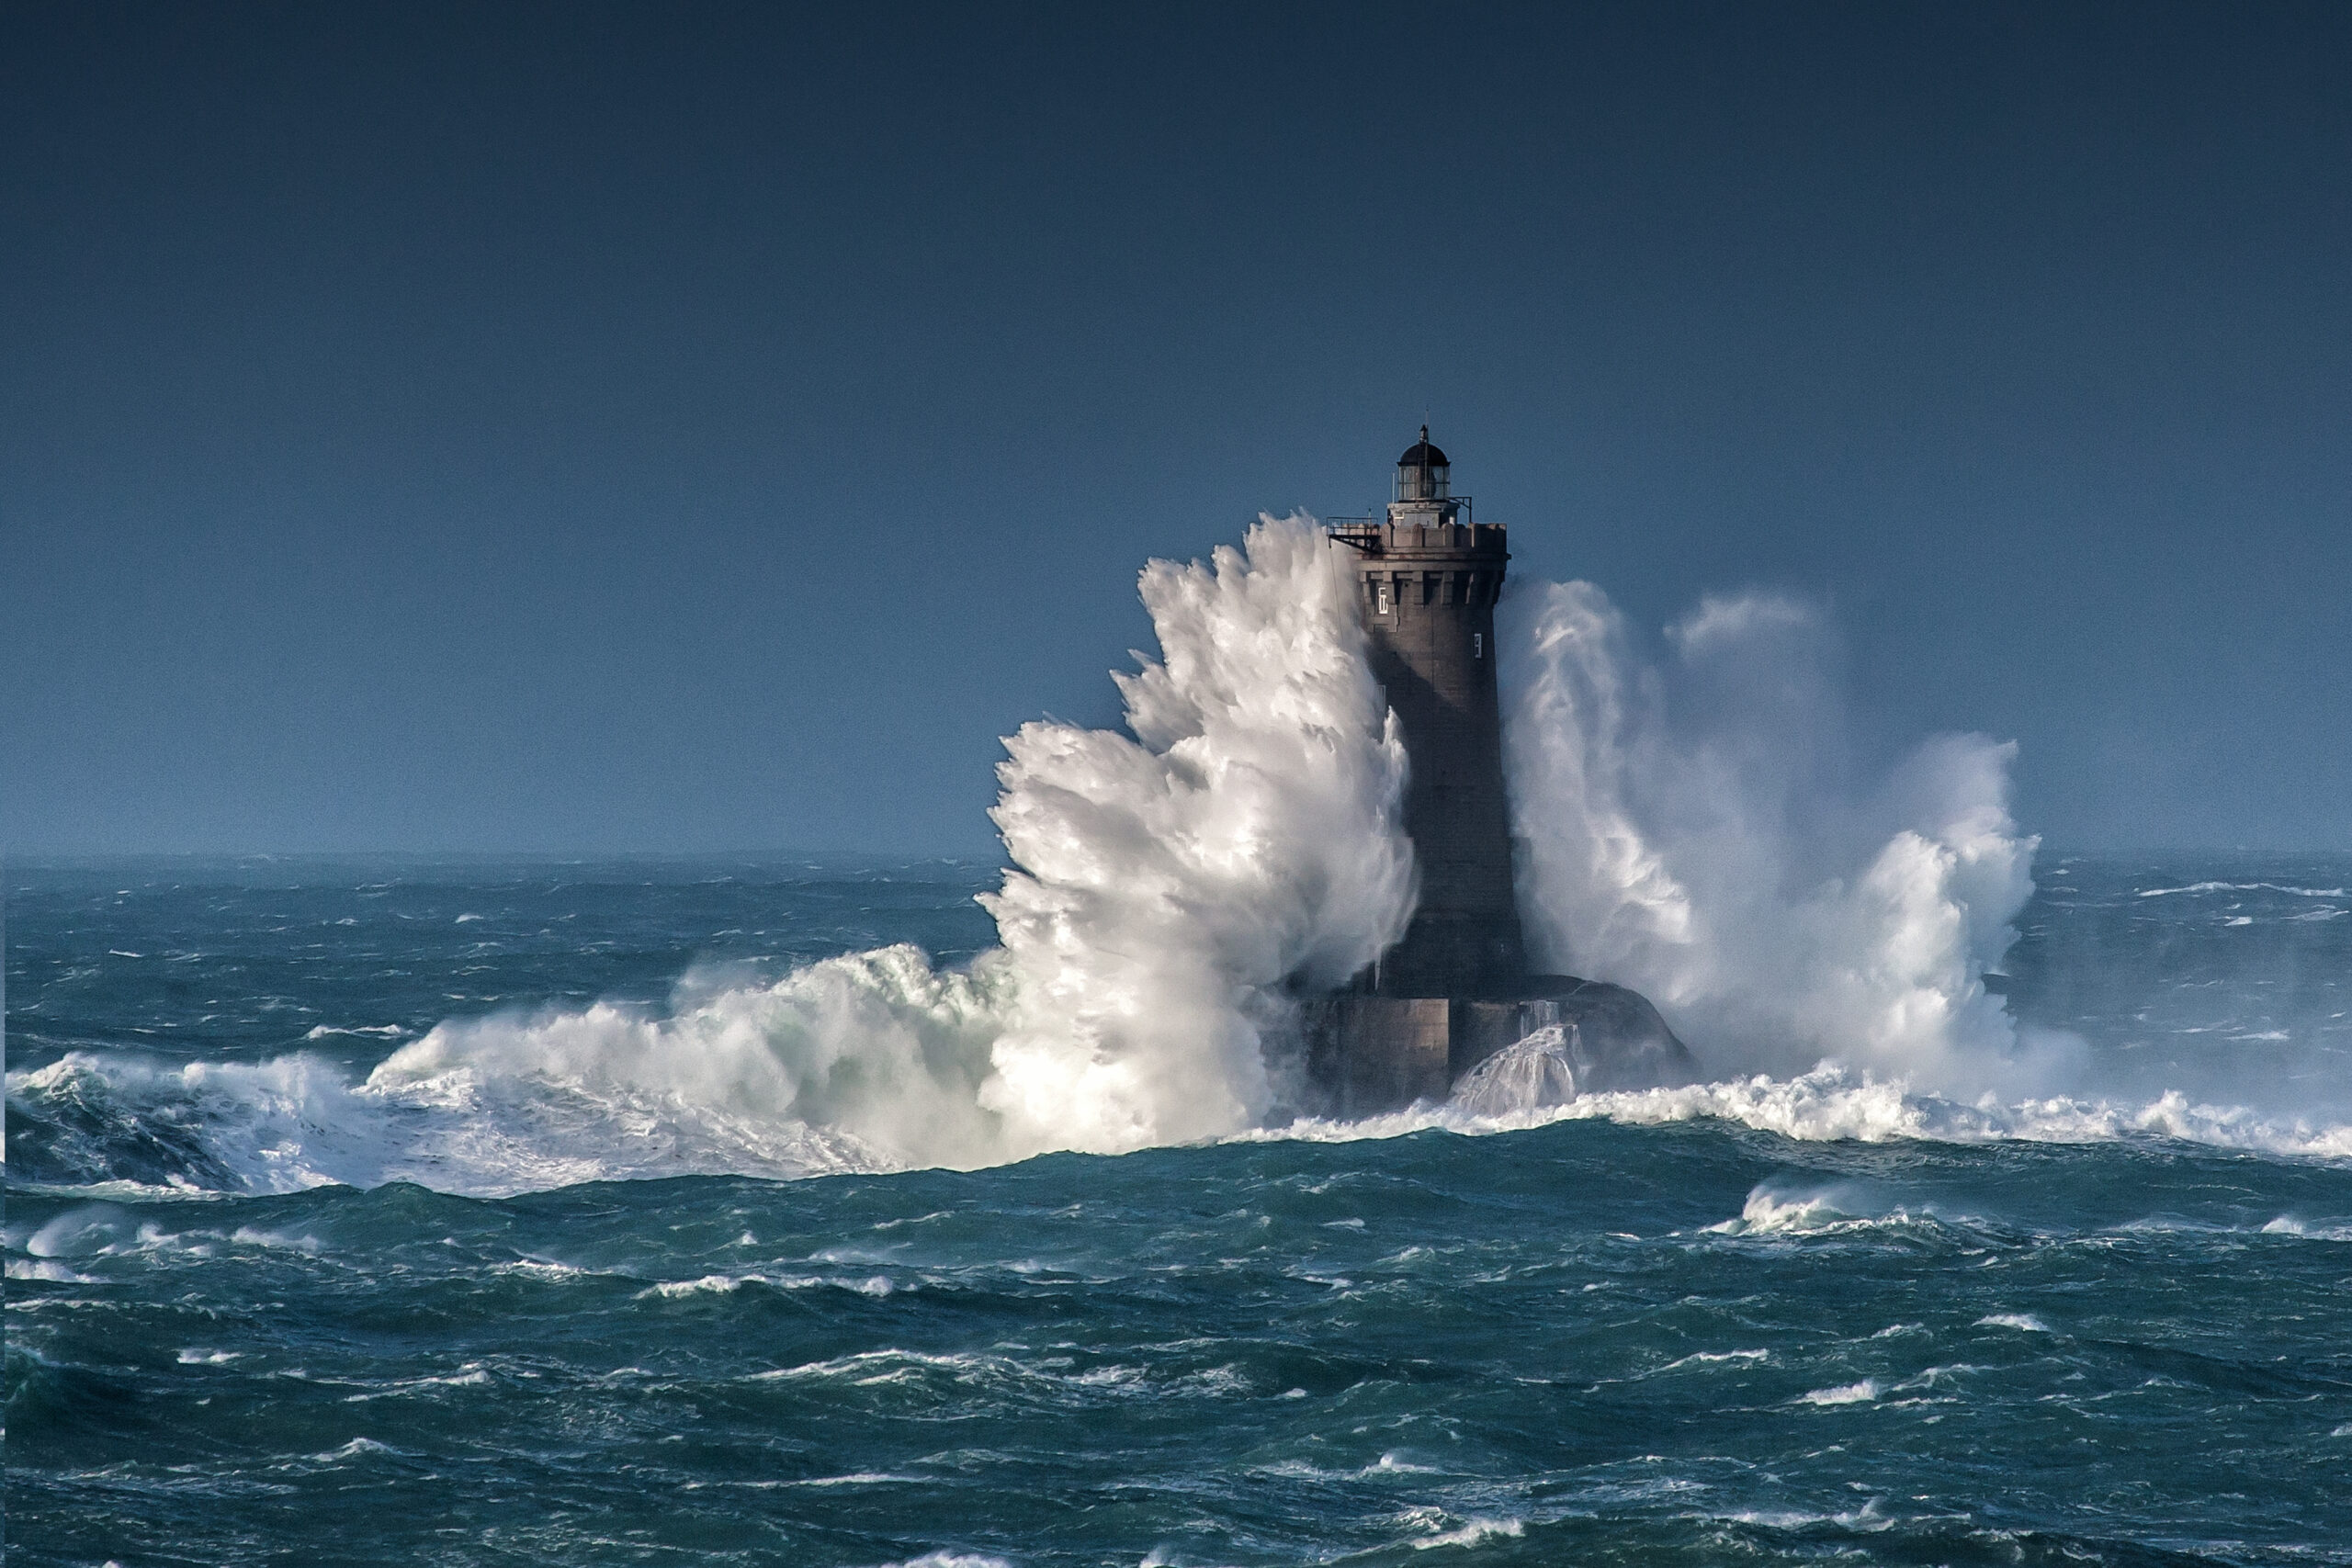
<point x="1167" y="884"/>
<point x="1691" y="828"/>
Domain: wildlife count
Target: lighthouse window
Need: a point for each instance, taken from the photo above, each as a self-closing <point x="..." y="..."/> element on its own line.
<point x="1477" y="644"/>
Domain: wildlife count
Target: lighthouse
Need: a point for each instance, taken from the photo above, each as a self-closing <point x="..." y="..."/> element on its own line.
<point x="1428" y="577"/>
<point x="1456" y="988"/>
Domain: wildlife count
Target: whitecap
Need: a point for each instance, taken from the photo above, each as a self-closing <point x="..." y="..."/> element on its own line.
<point x="359" y="1448"/>
<point x="78" y="1231"/>
<point x="470" y="1375"/>
<point x="1717" y="1358"/>
<point x="1845" y="1394"/>
<point x="538" y="1268"/>
<point x="727" y="1284"/>
<point x="1768" y="1212"/>
<point x="277" y="1240"/>
<point x="1470" y="1533"/>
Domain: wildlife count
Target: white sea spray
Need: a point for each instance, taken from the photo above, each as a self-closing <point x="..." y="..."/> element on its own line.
<point x="1166" y="884"/>
<point x="1692" y="828"/>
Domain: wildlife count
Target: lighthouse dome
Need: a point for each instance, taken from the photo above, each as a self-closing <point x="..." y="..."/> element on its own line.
<point x="1422" y="455"/>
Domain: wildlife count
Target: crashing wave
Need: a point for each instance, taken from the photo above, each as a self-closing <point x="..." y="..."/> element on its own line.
<point x="1689" y="829"/>
<point x="1693" y="829"/>
<point x="1166" y="882"/>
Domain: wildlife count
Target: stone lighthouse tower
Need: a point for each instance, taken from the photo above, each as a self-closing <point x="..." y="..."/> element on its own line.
<point x="1428" y="578"/>
<point x="1456" y="989"/>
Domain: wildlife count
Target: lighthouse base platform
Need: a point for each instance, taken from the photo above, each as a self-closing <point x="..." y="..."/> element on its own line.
<point x="1367" y="1052"/>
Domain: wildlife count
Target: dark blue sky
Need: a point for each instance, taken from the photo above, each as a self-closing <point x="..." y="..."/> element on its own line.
<point x="574" y="427"/>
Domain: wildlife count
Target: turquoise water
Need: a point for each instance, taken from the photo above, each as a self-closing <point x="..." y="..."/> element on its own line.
<point x="2105" y="1331"/>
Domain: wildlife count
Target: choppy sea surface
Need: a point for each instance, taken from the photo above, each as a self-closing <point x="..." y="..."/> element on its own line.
<point x="1824" y="1318"/>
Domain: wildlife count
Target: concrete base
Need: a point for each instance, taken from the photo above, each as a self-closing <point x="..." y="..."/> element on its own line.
<point x="1371" y="1053"/>
<point x="1367" y="1054"/>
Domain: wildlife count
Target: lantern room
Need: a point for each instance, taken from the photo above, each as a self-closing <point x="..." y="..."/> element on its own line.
<point x="1423" y="473"/>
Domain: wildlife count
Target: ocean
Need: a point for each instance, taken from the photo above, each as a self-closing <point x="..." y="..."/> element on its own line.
<point x="407" y="1212"/>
